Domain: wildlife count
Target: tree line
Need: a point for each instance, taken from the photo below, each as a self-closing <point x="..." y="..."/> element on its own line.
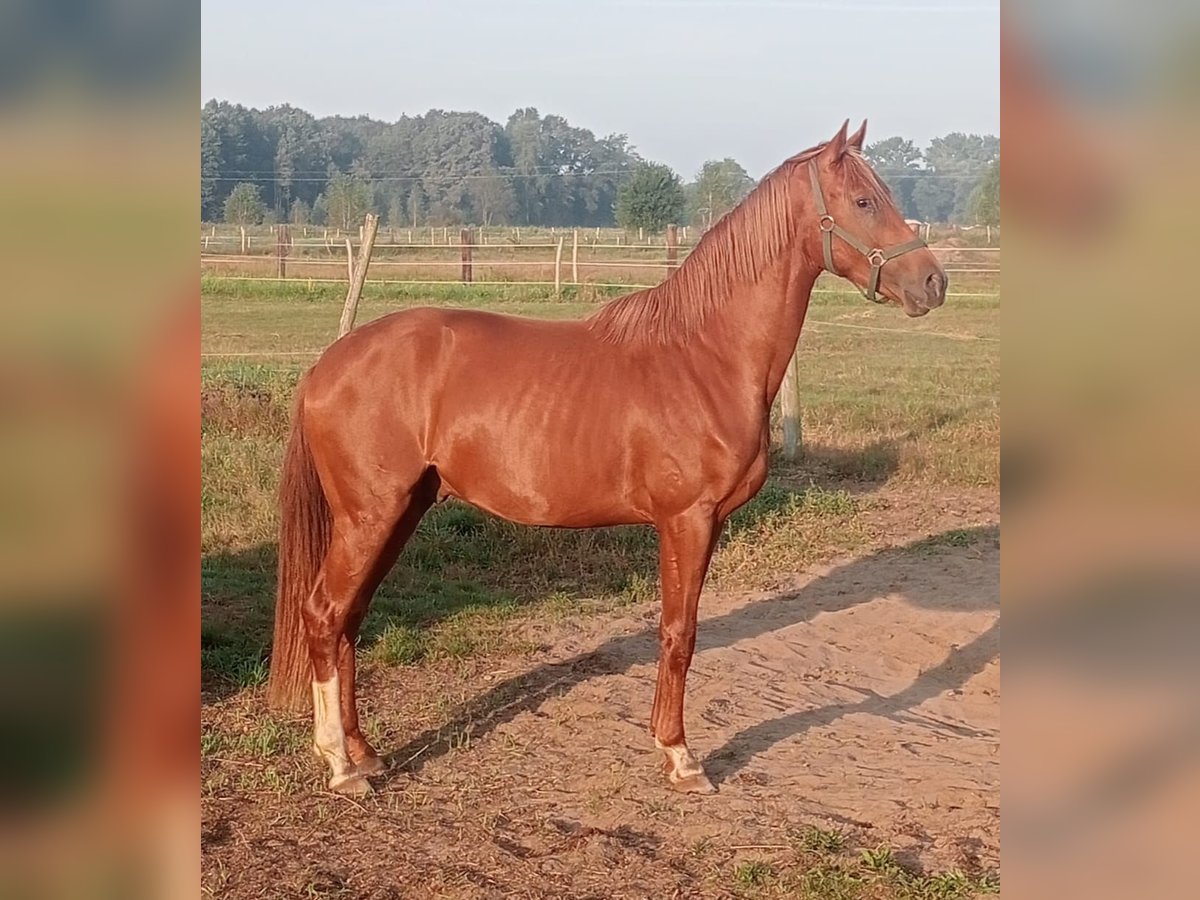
<point x="450" y="168"/>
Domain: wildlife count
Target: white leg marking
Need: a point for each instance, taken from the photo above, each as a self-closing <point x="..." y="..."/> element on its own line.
<point x="328" y="737"/>
<point x="683" y="763"/>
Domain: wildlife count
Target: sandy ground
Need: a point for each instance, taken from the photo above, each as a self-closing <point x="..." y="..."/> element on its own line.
<point x="861" y="696"/>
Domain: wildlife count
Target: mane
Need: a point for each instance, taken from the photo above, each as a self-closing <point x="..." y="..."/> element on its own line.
<point x="735" y="251"/>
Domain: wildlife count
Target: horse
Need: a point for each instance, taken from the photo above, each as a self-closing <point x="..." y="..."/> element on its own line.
<point x="652" y="410"/>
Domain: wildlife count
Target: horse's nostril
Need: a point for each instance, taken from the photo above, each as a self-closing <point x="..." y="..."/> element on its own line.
<point x="935" y="288"/>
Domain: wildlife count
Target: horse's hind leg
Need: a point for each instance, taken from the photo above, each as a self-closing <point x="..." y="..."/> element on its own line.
<point x="356" y="562"/>
<point x="366" y="761"/>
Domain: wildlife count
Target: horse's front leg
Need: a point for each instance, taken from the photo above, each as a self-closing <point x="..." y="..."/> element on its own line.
<point x="685" y="548"/>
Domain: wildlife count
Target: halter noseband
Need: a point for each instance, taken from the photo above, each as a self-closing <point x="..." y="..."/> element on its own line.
<point x="874" y="255"/>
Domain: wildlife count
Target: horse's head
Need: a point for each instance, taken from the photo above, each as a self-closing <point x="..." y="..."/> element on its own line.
<point x="863" y="237"/>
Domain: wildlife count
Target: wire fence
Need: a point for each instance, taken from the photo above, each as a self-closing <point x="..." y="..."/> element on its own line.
<point x="601" y="258"/>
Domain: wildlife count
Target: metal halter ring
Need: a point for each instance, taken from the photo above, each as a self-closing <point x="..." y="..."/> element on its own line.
<point x="876" y="257"/>
<point x="826" y="219"/>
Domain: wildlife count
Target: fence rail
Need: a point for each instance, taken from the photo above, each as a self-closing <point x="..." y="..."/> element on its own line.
<point x="294" y="258"/>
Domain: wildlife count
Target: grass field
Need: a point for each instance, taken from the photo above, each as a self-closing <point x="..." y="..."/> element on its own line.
<point x="886" y="401"/>
<point x="901" y="422"/>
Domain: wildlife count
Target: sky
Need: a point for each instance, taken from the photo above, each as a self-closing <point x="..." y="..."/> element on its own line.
<point x="686" y="80"/>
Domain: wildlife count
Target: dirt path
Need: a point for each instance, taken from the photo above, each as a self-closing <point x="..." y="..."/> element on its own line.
<point x="864" y="696"/>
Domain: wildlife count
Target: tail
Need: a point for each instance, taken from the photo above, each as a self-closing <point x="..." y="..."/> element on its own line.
<point x="304" y="536"/>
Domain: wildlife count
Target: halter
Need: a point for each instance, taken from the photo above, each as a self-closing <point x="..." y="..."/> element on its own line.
<point x="874" y="255"/>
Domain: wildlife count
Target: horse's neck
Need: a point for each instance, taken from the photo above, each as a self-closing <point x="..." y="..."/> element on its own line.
<point x="756" y="329"/>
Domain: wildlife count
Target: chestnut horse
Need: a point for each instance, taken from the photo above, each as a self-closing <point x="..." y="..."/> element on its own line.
<point x="654" y="410"/>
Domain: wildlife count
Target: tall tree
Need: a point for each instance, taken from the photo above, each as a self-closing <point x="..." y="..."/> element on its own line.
<point x="652" y="198"/>
<point x="960" y="161"/>
<point x="962" y="154"/>
<point x="900" y="164"/>
<point x="894" y="154"/>
<point x="719" y="187"/>
<point x="244" y="205"/>
<point x="347" y="200"/>
<point x="210" y="168"/>
<point x="300" y="213"/>
<point x="417" y="204"/>
<point x="985" y="200"/>
<point x="934" y="199"/>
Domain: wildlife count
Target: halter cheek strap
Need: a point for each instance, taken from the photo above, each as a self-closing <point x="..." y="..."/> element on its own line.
<point x="875" y="256"/>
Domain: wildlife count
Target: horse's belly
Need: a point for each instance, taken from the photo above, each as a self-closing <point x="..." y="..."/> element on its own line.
<point x="540" y="504"/>
<point x="574" y="490"/>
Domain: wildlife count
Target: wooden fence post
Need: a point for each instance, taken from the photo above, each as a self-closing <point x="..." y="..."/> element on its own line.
<point x="349" y="262"/>
<point x="641" y="235"/>
<point x="789" y="407"/>
<point x="282" y="246"/>
<point x="575" y="256"/>
<point x="466" y="239"/>
<point x="558" y="268"/>
<point x="242" y="229"/>
<point x="446" y="235"/>
<point x="672" y="249"/>
<point x="350" y="309"/>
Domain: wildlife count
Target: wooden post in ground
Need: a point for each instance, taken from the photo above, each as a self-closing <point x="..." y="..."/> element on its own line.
<point x="466" y="239"/>
<point x="789" y="408"/>
<point x="349" y="262"/>
<point x="282" y="247"/>
<point x="350" y="309"/>
<point x="672" y="249"/>
<point x="242" y="229"/>
<point x="446" y="235"/>
<point x="558" y="268"/>
<point x="575" y="256"/>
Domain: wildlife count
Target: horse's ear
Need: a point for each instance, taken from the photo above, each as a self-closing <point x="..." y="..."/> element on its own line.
<point x="837" y="145"/>
<point x="856" y="140"/>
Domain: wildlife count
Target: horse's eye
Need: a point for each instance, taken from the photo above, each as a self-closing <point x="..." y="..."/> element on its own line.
<point x="864" y="203"/>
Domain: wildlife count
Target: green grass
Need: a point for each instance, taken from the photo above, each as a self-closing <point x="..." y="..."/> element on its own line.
<point x="821" y="840"/>
<point x="824" y="868"/>
<point x="753" y="874"/>
<point x="898" y="408"/>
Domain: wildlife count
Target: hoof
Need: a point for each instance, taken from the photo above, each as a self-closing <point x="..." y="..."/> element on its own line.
<point x="693" y="784"/>
<point x="370" y="765"/>
<point x="352" y="785"/>
<point x="683" y="770"/>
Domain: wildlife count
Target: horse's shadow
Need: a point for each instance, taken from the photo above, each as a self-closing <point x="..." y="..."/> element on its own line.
<point x="453" y="564"/>
<point x="846" y="586"/>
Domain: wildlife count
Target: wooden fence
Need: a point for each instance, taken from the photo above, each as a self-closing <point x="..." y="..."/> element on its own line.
<point x="554" y="257"/>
